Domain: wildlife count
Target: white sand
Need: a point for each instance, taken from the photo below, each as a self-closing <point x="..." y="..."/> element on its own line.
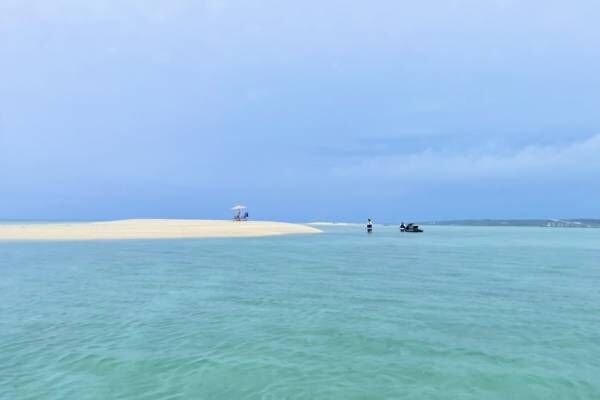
<point x="148" y="229"/>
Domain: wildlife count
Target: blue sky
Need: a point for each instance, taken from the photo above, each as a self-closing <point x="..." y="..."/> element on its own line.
<point x="305" y="110"/>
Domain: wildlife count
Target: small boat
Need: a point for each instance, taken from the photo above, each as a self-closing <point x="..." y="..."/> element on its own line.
<point x="410" y="228"/>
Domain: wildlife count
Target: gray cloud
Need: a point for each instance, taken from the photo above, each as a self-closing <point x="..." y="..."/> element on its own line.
<point x="577" y="159"/>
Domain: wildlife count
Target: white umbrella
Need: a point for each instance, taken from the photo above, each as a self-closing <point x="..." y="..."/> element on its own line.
<point x="238" y="207"/>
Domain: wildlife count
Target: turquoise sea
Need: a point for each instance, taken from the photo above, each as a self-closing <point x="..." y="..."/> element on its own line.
<point x="453" y="313"/>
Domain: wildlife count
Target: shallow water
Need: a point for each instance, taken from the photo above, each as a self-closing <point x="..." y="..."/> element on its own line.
<point x="453" y="313"/>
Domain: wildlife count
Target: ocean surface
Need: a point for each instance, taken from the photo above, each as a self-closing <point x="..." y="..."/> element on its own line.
<point x="452" y="313"/>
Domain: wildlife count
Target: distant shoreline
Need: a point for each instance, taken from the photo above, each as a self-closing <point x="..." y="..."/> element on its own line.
<point x="147" y="229"/>
<point x="531" y="223"/>
<point x="540" y="223"/>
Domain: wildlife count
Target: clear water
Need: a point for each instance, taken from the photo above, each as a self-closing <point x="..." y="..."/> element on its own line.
<point x="453" y="313"/>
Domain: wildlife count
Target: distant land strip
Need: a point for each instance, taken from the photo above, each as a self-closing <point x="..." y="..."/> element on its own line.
<point x="550" y="223"/>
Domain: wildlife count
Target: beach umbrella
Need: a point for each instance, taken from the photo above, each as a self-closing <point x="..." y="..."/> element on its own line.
<point x="238" y="210"/>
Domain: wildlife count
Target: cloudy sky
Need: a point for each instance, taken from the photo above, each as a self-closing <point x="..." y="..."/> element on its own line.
<point x="304" y="110"/>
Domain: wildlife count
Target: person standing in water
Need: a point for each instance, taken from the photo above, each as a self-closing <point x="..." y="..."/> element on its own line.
<point x="369" y="226"/>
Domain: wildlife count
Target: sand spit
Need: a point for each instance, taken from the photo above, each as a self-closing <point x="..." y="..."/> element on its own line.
<point x="149" y="229"/>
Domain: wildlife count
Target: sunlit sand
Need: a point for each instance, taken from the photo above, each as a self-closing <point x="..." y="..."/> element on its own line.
<point x="149" y="229"/>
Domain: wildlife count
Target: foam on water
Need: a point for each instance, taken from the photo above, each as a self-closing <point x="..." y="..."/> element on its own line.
<point x="454" y="313"/>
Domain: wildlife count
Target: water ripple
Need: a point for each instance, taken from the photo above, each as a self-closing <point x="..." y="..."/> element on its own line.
<point x="461" y="313"/>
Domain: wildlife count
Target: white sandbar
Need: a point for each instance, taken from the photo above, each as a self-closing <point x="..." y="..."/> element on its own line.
<point x="149" y="229"/>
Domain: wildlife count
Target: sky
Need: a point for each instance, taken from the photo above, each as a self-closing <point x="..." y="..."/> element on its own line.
<point x="303" y="111"/>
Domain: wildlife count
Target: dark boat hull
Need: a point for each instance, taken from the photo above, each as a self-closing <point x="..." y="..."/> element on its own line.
<point x="411" y="230"/>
